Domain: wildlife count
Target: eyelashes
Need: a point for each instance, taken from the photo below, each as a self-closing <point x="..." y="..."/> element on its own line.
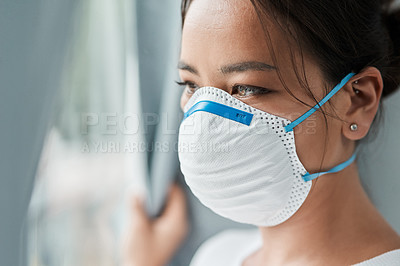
<point x="245" y="90"/>
<point x="190" y="87"/>
<point x="239" y="89"/>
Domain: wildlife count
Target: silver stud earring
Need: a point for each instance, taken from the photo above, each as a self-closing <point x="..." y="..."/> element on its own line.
<point x="356" y="91"/>
<point x="353" y="127"/>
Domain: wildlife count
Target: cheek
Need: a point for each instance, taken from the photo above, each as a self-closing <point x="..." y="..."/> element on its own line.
<point x="316" y="142"/>
<point x="309" y="139"/>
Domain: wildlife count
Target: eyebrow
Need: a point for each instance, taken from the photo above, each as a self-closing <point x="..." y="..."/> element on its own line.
<point x="237" y="67"/>
<point x="246" y="66"/>
<point x="183" y="66"/>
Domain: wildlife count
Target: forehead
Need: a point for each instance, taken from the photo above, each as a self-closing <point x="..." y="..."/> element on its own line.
<point x="217" y="14"/>
<point x="226" y="31"/>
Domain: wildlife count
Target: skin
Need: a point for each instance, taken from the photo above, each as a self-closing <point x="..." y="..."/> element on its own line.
<point x="337" y="224"/>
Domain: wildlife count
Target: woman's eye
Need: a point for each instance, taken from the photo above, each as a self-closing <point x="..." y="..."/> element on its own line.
<point x="243" y="90"/>
<point x="190" y="87"/>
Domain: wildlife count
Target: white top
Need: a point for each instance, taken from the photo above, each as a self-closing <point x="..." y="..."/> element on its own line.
<point x="231" y="247"/>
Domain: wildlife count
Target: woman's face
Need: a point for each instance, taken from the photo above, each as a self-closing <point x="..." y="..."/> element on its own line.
<point x="224" y="46"/>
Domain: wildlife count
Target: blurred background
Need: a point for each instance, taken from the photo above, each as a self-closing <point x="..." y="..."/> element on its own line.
<point x="89" y="113"/>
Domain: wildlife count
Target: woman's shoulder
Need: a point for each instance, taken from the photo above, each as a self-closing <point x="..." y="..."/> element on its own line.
<point x="232" y="246"/>
<point x="229" y="247"/>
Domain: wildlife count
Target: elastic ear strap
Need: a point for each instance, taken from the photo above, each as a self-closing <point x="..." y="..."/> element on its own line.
<point x="337" y="168"/>
<point x="290" y="126"/>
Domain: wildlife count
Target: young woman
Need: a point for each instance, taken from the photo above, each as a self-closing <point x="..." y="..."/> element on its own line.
<point x="282" y="91"/>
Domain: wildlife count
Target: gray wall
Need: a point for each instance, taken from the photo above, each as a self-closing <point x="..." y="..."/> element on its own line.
<point x="379" y="161"/>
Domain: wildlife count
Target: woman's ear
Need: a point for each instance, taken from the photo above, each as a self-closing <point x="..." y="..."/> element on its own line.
<point x="365" y="93"/>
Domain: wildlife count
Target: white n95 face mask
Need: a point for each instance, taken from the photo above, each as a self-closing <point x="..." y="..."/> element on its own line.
<point x="241" y="162"/>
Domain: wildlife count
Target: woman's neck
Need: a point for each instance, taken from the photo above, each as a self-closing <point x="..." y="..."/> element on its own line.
<point x="337" y="222"/>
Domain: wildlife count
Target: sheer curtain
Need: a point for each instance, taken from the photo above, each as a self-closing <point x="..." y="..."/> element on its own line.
<point x="32" y="46"/>
<point x="92" y="154"/>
